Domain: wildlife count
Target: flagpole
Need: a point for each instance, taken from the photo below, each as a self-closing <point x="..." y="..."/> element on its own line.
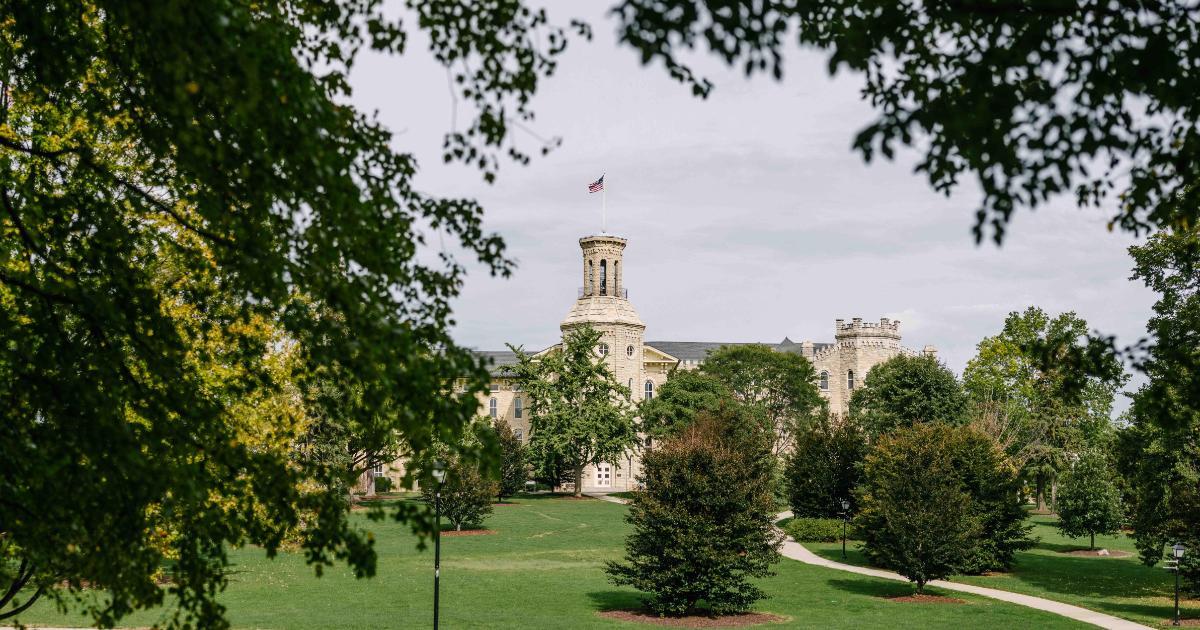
<point x="604" y="210"/>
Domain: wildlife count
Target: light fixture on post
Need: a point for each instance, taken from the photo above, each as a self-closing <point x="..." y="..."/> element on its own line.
<point x="845" y="521"/>
<point x="1177" y="551"/>
<point x="439" y="476"/>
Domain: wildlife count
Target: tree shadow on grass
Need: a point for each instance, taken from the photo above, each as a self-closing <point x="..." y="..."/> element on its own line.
<point x="1090" y="577"/>
<point x="1187" y="610"/>
<point x="875" y="587"/>
<point x="605" y="601"/>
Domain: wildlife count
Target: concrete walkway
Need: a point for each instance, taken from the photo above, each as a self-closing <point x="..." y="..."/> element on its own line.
<point x="604" y="496"/>
<point x="796" y="551"/>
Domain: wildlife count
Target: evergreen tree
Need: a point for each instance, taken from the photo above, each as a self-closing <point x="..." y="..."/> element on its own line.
<point x="513" y="467"/>
<point x="1088" y="500"/>
<point x="578" y="413"/>
<point x="824" y="469"/>
<point x="702" y="526"/>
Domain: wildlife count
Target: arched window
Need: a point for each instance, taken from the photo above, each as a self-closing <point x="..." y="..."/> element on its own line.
<point x="492" y="407"/>
<point x="617" y="278"/>
<point x="850" y="379"/>
<point x="517" y="408"/>
<point x="602" y="349"/>
<point x="824" y="379"/>
<point x="649" y="390"/>
<point x="590" y="289"/>
<point x="630" y="387"/>
<point x="603" y="277"/>
<point x="629" y="351"/>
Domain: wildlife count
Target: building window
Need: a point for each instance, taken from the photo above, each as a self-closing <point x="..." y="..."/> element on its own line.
<point x="850" y="379"/>
<point x="377" y="470"/>
<point x="517" y="387"/>
<point x="603" y="277"/>
<point x="519" y="435"/>
<point x="602" y="349"/>
<point x="517" y="408"/>
<point x="495" y="387"/>
<point x="629" y="351"/>
<point x="630" y="387"/>
<point x="649" y="390"/>
<point x="591" y="281"/>
<point x="824" y="379"/>
<point x="492" y="407"/>
<point x="617" y="279"/>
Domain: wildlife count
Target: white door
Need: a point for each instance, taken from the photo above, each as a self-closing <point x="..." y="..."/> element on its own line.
<point x="604" y="476"/>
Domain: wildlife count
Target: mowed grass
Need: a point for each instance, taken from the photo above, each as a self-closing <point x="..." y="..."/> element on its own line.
<point x="1123" y="587"/>
<point x="542" y="569"/>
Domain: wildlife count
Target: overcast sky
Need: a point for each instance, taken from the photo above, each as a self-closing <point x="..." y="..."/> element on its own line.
<point x="748" y="216"/>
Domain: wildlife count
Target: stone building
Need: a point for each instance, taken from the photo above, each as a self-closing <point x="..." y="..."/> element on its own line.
<point x="603" y="303"/>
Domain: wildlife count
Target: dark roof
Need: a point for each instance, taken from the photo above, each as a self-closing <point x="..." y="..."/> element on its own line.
<point x="499" y="361"/>
<point x="698" y="350"/>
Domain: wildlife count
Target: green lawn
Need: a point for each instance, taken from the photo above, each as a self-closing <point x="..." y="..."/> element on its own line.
<point x="1123" y="587"/>
<point x="543" y="569"/>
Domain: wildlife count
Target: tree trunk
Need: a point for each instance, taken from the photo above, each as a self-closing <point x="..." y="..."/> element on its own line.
<point x="1093" y="546"/>
<point x="579" y="481"/>
<point x="1041" y="492"/>
<point x="1054" y="494"/>
<point x="920" y="587"/>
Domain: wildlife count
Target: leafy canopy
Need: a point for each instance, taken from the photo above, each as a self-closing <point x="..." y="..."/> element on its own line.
<point x="676" y="402"/>
<point x="904" y="391"/>
<point x="778" y="388"/>
<point x="1030" y="99"/>
<point x="173" y="177"/>
<point x="578" y="413"/>
<point x="1088" y="500"/>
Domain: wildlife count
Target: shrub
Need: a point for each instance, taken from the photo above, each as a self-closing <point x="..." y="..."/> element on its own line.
<point x="938" y="500"/>
<point x="466" y="495"/>
<point x="824" y="469"/>
<point x="816" y="529"/>
<point x="702" y="526"/>
<point x="383" y="484"/>
<point x="914" y="515"/>
<point x="1089" y="503"/>
<point x="513" y="467"/>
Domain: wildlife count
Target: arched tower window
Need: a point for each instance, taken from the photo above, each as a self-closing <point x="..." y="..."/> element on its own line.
<point x="591" y="280"/>
<point x="603" y="277"/>
<point x="824" y="379"/>
<point x="850" y="379"/>
<point x="649" y="390"/>
<point x="492" y="407"/>
<point x="617" y="278"/>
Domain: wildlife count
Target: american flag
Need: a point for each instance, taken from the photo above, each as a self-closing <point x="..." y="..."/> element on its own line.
<point x="597" y="185"/>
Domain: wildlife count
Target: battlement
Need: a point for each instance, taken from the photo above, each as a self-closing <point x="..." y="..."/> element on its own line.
<point x="886" y="328"/>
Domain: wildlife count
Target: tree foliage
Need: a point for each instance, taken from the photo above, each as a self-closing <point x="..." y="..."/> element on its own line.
<point x="914" y="514"/>
<point x="177" y="172"/>
<point x="677" y="402"/>
<point x="1040" y="408"/>
<point x="1033" y="100"/>
<point x="904" y="391"/>
<point x="779" y="388"/>
<point x="976" y="480"/>
<point x="1159" y="453"/>
<point x="514" y="469"/>
<point x="825" y="468"/>
<point x="703" y="524"/>
<point x="1088" y="500"/>
<point x="578" y="413"/>
<point x="466" y="495"/>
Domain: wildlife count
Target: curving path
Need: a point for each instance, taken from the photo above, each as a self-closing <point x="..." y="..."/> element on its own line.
<point x="796" y="551"/>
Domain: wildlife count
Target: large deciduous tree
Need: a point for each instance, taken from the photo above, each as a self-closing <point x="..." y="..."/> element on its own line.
<point x="824" y="468"/>
<point x="177" y="172"/>
<point x="578" y="413"/>
<point x="676" y="403"/>
<point x="1040" y="410"/>
<point x="1159" y="452"/>
<point x="1030" y="99"/>
<point x="779" y="388"/>
<point x="906" y="390"/>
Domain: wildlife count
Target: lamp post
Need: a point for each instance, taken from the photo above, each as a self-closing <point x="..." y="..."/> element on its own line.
<point x="845" y="520"/>
<point x="439" y="475"/>
<point x="1177" y="553"/>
